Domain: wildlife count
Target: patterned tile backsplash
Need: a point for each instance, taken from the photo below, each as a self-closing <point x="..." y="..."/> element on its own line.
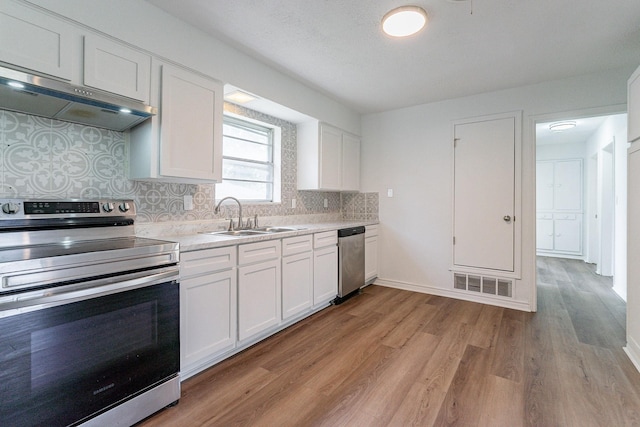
<point x="44" y="158"/>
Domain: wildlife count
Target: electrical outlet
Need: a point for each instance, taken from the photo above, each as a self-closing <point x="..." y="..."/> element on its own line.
<point x="326" y="203"/>
<point x="188" y="202"/>
<point x="293" y="203"/>
<point x="389" y="192"/>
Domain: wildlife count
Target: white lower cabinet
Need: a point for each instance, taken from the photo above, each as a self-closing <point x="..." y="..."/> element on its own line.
<point x="371" y="253"/>
<point x="259" y="288"/>
<point x="559" y="234"/>
<point x="297" y="275"/>
<point x="208" y="307"/>
<point x="325" y="267"/>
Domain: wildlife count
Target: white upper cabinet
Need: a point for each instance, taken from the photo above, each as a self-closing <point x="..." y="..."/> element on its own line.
<point x="328" y="158"/>
<point x="36" y="41"/>
<point x="116" y="68"/>
<point x="350" y="163"/>
<point x="559" y="185"/>
<point x="633" y="107"/>
<point x="184" y="142"/>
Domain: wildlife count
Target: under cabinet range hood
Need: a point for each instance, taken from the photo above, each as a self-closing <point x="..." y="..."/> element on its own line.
<point x="42" y="96"/>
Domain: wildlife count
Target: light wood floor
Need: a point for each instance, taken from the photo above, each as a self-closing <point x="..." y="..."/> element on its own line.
<point x="391" y="357"/>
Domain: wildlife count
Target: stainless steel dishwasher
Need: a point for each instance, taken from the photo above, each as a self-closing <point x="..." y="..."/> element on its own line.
<point x="350" y="262"/>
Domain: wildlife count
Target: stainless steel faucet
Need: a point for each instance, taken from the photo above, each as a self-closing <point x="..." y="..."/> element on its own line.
<point x="217" y="210"/>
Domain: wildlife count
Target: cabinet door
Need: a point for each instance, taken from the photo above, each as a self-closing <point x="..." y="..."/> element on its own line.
<point x="115" y="68"/>
<point x="330" y="158"/>
<point x="544" y="233"/>
<point x="568" y="185"/>
<point x="258" y="298"/>
<point x="190" y="125"/>
<point x="544" y="186"/>
<point x="350" y="163"/>
<point x="325" y="275"/>
<point x="37" y="41"/>
<point x="568" y="235"/>
<point x="208" y="316"/>
<point x="297" y="284"/>
<point x="370" y="258"/>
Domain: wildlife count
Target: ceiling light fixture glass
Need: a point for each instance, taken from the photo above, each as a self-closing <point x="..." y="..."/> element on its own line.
<point x="561" y="126"/>
<point x="404" y="21"/>
<point x="239" y="97"/>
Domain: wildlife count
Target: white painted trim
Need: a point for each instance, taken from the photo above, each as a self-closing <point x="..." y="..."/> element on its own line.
<point x="633" y="351"/>
<point x="461" y="295"/>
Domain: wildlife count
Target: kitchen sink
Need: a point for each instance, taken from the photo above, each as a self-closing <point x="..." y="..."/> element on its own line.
<point x="269" y="229"/>
<point x="252" y="232"/>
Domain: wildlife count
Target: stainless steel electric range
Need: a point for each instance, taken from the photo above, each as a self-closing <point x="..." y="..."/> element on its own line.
<point x="89" y="315"/>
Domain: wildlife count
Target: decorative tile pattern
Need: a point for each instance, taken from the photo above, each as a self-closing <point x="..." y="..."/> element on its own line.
<point x="44" y="158"/>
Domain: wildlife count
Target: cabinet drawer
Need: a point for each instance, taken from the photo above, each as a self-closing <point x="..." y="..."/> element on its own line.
<point x="260" y="251"/>
<point x="544" y="216"/>
<point x="296" y="245"/>
<point x="205" y="261"/>
<point x="327" y="238"/>
<point x="565" y="216"/>
<point x="371" y="230"/>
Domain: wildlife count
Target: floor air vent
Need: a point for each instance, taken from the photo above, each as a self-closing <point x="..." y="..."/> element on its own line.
<point x="483" y="284"/>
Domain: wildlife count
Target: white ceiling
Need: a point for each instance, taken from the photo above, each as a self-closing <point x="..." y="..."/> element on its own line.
<point x="585" y="128"/>
<point x="336" y="46"/>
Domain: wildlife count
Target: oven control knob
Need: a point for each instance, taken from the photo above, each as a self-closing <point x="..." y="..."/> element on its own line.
<point x="108" y="207"/>
<point x="10" y="208"/>
<point x="124" y="207"/>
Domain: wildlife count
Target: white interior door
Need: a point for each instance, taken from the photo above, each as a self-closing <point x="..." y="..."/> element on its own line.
<point x="484" y="194"/>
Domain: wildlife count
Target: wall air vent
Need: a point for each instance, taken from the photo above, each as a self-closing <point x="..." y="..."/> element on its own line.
<point x="483" y="284"/>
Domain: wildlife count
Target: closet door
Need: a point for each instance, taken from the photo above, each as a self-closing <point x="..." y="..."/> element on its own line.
<point x="484" y="194"/>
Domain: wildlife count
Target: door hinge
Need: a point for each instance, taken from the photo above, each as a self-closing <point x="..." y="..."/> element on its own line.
<point x="454" y="240"/>
<point x="455" y="142"/>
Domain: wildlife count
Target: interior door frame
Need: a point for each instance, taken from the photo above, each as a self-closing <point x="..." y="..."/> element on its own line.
<point x="530" y="135"/>
<point x="517" y="239"/>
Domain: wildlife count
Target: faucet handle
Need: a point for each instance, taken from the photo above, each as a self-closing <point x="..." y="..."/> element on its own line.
<point x="255" y="220"/>
<point x="248" y="225"/>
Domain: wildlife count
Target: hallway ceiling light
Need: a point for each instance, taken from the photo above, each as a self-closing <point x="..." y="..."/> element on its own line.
<point x="562" y="126"/>
<point x="404" y="21"/>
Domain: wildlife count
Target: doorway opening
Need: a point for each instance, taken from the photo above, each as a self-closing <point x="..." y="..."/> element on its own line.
<point x="581" y="193"/>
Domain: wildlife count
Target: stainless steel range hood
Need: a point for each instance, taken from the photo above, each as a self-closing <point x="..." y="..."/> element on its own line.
<point x="41" y="96"/>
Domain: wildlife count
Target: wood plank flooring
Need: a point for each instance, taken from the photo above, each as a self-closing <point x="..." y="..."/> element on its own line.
<point x="396" y="358"/>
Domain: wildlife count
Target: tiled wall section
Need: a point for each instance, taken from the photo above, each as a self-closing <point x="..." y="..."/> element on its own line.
<point x="43" y="158"/>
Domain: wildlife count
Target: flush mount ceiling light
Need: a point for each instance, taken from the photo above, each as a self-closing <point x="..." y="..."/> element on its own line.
<point x="561" y="126"/>
<point x="404" y="21"/>
<point x="239" y="97"/>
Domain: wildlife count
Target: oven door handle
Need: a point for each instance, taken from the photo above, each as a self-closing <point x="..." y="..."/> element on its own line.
<point x="12" y="305"/>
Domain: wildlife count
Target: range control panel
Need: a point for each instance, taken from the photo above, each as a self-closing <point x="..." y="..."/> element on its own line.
<point x="32" y="209"/>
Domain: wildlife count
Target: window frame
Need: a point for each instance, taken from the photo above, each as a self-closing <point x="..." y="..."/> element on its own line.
<point x="273" y="163"/>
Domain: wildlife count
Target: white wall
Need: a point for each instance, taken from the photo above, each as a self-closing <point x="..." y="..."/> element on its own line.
<point x="410" y="151"/>
<point x="143" y="25"/>
<point x="615" y="129"/>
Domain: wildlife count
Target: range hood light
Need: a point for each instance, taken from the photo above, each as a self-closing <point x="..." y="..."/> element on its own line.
<point x="16" y="85"/>
<point x="125" y="110"/>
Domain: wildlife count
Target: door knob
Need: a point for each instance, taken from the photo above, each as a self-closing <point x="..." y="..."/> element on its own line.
<point x="507" y="218"/>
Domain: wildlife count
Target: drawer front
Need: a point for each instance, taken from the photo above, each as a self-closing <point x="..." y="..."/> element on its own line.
<point x="260" y="251"/>
<point x="195" y="263"/>
<point x="371" y="230"/>
<point x="327" y="238"/>
<point x="297" y="245"/>
<point x="565" y="216"/>
<point x="544" y="216"/>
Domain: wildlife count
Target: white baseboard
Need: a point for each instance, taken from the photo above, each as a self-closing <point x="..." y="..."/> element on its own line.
<point x="452" y="293"/>
<point x="633" y="351"/>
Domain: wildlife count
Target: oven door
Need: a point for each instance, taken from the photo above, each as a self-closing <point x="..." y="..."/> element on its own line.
<point x="72" y="352"/>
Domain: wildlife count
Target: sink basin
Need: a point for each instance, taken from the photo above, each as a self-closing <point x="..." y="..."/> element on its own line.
<point x="252" y="232"/>
<point x="269" y="229"/>
<point x="238" y="233"/>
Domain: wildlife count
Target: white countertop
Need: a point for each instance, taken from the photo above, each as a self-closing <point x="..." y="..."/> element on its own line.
<point x="193" y="242"/>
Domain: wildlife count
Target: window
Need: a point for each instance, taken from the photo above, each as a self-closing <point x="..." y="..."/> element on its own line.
<point x="247" y="161"/>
